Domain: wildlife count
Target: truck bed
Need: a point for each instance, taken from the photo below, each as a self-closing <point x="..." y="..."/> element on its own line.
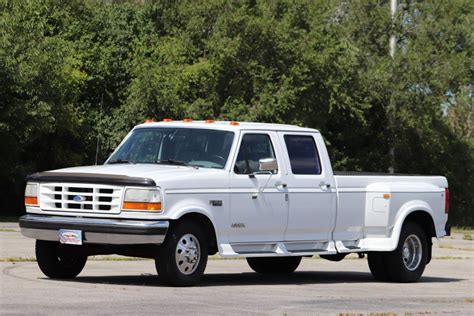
<point x="369" y="203"/>
<point x="365" y="173"/>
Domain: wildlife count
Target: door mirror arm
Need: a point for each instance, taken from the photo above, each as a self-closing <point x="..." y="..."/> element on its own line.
<point x="262" y="188"/>
<point x="265" y="166"/>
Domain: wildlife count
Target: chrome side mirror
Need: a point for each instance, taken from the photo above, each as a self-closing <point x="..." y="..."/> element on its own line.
<point x="267" y="164"/>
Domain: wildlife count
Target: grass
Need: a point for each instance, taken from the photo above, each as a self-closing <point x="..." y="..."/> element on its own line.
<point x="368" y="314"/>
<point x="456" y="248"/>
<point x="17" y="259"/>
<point x="101" y="258"/>
<point x="113" y="258"/>
<point x="467" y="237"/>
<point x="463" y="230"/>
<point x="8" y="219"/>
<point x="216" y="257"/>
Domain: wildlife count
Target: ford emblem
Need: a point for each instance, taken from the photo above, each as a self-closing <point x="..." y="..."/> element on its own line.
<point x="79" y="198"/>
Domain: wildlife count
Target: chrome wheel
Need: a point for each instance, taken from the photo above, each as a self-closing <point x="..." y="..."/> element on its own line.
<point x="188" y="254"/>
<point x="412" y="252"/>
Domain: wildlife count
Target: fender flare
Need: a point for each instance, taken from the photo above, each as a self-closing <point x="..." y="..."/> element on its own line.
<point x="407" y="209"/>
<point x="179" y="213"/>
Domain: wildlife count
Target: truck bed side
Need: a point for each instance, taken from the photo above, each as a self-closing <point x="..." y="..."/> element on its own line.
<point x="372" y="208"/>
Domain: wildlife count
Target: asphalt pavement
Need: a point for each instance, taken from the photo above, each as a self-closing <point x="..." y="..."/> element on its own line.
<point x="109" y="285"/>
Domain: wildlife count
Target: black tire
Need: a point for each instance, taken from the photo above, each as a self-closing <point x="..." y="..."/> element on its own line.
<point x="377" y="265"/>
<point x="167" y="265"/>
<point x="55" y="263"/>
<point x="391" y="266"/>
<point x="274" y="265"/>
<point x="395" y="262"/>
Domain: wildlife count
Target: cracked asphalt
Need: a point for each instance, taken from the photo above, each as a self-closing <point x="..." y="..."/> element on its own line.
<point x="108" y="286"/>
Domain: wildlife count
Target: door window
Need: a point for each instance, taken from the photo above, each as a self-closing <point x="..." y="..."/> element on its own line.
<point x="253" y="148"/>
<point x="304" y="158"/>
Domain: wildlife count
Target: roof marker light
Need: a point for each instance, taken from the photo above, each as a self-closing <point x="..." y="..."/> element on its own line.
<point x="149" y="121"/>
<point x="187" y="120"/>
<point x="167" y="120"/>
<point x="234" y="123"/>
<point x="209" y="121"/>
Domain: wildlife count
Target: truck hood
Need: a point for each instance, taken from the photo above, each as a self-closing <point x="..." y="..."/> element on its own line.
<point x="152" y="171"/>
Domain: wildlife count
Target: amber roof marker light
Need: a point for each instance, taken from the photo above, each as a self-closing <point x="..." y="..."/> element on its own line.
<point x="167" y="120"/>
<point x="209" y="121"/>
<point x="234" y="123"/>
<point x="187" y="120"/>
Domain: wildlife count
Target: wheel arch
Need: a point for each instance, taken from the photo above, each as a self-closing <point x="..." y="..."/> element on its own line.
<point x="425" y="221"/>
<point x="204" y="221"/>
<point x="419" y="214"/>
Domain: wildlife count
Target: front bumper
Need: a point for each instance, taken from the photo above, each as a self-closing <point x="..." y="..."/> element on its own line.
<point x="95" y="230"/>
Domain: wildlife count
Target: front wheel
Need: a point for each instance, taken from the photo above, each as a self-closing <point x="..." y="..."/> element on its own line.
<point x="274" y="265"/>
<point x="55" y="263"/>
<point x="182" y="258"/>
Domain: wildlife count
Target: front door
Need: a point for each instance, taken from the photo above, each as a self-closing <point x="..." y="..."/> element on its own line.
<point x="259" y="207"/>
<point x="312" y="195"/>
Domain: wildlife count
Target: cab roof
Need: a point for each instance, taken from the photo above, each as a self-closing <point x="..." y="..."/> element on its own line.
<point x="228" y="126"/>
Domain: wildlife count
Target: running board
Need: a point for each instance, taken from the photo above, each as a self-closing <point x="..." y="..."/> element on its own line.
<point x="349" y="246"/>
<point x="270" y="249"/>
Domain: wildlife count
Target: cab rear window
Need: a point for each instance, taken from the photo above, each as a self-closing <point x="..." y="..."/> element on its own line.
<point x="304" y="158"/>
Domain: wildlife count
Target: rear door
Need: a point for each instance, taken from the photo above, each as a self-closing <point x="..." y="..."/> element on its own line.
<point x="311" y="187"/>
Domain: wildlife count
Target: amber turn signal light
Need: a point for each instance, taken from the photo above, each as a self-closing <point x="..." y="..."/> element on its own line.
<point x="142" y="206"/>
<point x="31" y="200"/>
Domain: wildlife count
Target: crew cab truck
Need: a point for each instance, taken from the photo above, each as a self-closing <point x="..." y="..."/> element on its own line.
<point x="179" y="191"/>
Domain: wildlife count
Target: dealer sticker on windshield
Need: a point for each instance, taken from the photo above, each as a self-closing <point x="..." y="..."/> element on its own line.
<point x="70" y="237"/>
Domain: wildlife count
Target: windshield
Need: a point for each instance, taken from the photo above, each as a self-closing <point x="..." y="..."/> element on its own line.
<point x="179" y="146"/>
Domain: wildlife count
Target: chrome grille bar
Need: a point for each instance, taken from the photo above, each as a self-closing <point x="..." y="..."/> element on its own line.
<point x="80" y="197"/>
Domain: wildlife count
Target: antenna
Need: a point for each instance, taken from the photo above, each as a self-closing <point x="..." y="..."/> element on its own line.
<point x="98" y="131"/>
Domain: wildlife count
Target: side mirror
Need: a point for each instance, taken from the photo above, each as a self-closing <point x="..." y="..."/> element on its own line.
<point x="267" y="164"/>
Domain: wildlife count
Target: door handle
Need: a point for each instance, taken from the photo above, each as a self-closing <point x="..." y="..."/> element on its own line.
<point x="324" y="186"/>
<point x="281" y="185"/>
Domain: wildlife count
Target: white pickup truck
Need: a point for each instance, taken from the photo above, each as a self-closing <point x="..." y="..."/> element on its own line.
<point x="178" y="192"/>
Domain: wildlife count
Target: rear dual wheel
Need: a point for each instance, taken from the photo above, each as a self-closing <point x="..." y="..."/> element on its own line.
<point x="407" y="262"/>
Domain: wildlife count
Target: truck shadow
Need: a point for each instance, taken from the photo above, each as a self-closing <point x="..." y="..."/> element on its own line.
<point x="250" y="278"/>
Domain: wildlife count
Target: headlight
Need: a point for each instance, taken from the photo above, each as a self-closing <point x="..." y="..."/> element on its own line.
<point x="31" y="194"/>
<point x="142" y="200"/>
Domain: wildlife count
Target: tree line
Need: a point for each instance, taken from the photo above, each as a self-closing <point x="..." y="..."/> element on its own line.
<point x="75" y="76"/>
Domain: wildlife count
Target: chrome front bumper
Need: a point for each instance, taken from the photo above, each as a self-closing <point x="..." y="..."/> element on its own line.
<point x="95" y="230"/>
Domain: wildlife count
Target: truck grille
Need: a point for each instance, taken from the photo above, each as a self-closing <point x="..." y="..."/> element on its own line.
<point x="79" y="197"/>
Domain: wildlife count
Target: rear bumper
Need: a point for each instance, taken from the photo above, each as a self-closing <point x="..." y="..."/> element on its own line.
<point x="94" y="230"/>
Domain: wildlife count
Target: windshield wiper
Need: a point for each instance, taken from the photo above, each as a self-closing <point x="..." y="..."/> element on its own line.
<point x="120" y="161"/>
<point x="175" y="162"/>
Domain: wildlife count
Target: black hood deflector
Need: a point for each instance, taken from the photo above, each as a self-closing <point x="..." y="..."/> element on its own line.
<point x="95" y="178"/>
